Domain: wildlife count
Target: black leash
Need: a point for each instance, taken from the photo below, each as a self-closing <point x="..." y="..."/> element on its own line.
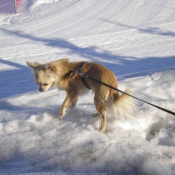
<point x="82" y="75"/>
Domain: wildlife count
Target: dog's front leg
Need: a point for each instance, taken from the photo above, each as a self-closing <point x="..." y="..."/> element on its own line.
<point x="71" y="96"/>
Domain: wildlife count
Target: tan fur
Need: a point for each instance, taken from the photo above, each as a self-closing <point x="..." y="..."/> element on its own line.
<point x="57" y="73"/>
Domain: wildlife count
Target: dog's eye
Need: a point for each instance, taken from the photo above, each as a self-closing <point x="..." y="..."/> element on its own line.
<point x="45" y="84"/>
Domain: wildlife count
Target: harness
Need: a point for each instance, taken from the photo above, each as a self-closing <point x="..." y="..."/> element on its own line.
<point x="80" y="72"/>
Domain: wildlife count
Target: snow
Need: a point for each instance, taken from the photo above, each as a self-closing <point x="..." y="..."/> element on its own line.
<point x="136" y="40"/>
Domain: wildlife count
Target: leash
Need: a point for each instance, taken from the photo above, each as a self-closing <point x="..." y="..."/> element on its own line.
<point x="82" y="75"/>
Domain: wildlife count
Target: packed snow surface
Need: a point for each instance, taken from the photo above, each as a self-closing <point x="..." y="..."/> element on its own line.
<point x="136" y="40"/>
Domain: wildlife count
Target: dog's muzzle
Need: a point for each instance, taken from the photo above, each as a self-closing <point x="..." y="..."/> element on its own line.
<point x="41" y="90"/>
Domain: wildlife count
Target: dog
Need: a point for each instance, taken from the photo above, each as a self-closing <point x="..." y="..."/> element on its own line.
<point x="61" y="74"/>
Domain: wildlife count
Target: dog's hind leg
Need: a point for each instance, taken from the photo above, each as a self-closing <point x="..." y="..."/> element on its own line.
<point x="74" y="102"/>
<point x="70" y="98"/>
<point x="100" y="109"/>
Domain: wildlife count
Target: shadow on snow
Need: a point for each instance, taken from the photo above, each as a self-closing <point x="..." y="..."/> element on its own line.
<point x="20" y="80"/>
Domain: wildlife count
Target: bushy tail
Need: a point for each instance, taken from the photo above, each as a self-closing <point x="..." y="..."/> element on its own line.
<point x="124" y="106"/>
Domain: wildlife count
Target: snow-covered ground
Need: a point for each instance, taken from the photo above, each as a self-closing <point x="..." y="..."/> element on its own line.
<point x="136" y="40"/>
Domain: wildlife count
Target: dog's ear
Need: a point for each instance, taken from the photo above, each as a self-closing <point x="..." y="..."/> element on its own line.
<point x="59" y="66"/>
<point x="33" y="65"/>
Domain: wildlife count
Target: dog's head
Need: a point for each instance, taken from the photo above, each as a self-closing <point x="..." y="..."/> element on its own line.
<point x="47" y="75"/>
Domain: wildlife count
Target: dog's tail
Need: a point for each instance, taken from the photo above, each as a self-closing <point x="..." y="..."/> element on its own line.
<point x="124" y="106"/>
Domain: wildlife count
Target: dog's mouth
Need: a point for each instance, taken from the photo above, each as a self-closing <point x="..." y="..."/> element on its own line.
<point x="42" y="90"/>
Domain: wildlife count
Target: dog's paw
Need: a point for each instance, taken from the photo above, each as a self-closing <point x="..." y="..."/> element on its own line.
<point x="59" y="119"/>
<point x="102" y="128"/>
<point x="72" y="105"/>
<point x="95" y="115"/>
<point x="61" y="116"/>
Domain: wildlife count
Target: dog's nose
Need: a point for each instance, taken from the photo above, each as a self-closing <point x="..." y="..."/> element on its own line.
<point x="41" y="90"/>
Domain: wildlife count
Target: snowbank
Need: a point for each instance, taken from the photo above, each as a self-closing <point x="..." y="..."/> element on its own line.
<point x="32" y="139"/>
